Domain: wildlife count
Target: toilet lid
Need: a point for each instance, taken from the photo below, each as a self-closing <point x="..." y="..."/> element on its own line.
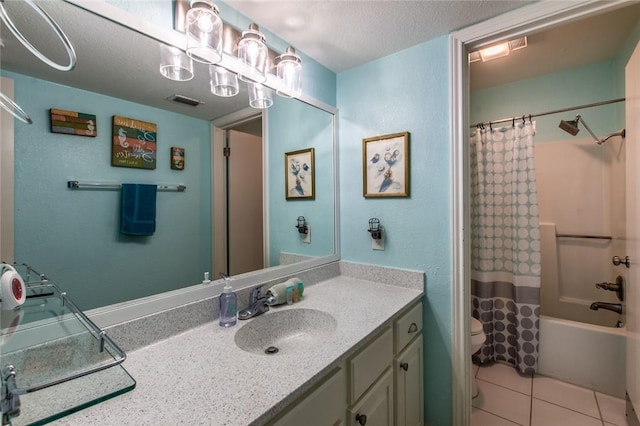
<point x="476" y="326"/>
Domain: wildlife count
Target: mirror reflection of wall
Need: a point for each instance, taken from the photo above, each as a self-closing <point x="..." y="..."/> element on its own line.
<point x="73" y="235"/>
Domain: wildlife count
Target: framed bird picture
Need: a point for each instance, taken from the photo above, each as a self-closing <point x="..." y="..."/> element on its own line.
<point x="385" y="166"/>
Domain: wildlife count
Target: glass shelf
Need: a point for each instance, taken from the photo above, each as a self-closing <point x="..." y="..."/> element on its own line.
<point x="54" y="359"/>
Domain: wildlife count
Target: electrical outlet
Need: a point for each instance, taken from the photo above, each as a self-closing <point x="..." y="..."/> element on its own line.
<point x="307" y="236"/>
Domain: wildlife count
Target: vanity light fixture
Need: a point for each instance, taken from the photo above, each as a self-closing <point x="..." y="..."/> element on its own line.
<point x="247" y="58"/>
<point x="302" y="225"/>
<point x="289" y="72"/>
<point x="253" y="55"/>
<point x="204" y="32"/>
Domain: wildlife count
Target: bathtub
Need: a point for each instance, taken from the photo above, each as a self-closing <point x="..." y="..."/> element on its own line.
<point x="586" y="355"/>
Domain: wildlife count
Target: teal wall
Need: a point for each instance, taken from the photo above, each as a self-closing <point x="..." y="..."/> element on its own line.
<point x="294" y="125"/>
<point x="61" y="231"/>
<point x="573" y="87"/>
<point x="405" y="91"/>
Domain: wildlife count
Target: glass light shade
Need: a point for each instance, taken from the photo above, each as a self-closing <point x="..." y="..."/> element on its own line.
<point x="289" y="71"/>
<point x="253" y="55"/>
<point x="204" y="32"/>
<point x="260" y="97"/>
<point x="223" y="82"/>
<point x="175" y="64"/>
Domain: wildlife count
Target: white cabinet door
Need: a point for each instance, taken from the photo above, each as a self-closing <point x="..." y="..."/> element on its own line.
<point x="409" y="397"/>
<point x="325" y="406"/>
<point x="375" y="408"/>
<point x="632" y="292"/>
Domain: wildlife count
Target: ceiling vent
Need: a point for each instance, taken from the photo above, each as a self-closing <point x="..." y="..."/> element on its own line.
<point x="185" y="100"/>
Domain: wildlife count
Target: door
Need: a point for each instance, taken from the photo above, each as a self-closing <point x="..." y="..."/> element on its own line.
<point x="245" y="221"/>
<point x="632" y="84"/>
<point x="409" y="387"/>
<point x="375" y="408"/>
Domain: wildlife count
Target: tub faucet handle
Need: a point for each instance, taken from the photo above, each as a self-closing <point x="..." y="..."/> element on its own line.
<point x="618" y="287"/>
<point x="617" y="260"/>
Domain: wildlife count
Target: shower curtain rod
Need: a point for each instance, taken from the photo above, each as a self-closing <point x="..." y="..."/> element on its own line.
<point x="540" y="114"/>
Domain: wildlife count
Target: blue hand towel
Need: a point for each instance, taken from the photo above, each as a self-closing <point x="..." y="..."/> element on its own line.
<point x="138" y="209"/>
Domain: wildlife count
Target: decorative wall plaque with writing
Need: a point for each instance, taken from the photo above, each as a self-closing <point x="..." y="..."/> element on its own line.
<point x="134" y="143"/>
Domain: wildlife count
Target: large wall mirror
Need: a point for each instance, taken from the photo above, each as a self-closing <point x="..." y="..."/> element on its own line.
<point x="73" y="236"/>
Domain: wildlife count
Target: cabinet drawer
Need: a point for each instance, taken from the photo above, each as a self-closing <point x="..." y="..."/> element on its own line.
<point x="369" y="364"/>
<point x="408" y="326"/>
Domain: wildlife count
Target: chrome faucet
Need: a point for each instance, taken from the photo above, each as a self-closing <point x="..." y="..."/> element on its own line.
<point x="615" y="307"/>
<point x="258" y="305"/>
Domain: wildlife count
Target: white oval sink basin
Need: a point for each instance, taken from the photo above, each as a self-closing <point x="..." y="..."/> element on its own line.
<point x="285" y="331"/>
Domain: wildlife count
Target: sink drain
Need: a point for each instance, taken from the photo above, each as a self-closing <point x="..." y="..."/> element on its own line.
<point x="271" y="350"/>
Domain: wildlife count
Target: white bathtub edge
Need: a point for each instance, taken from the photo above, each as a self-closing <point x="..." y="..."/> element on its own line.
<point x="586" y="355"/>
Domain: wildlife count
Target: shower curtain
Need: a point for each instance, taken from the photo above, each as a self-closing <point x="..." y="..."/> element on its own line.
<point x="505" y="244"/>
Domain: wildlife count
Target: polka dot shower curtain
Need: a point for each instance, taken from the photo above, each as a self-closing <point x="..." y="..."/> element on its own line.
<point x="505" y="244"/>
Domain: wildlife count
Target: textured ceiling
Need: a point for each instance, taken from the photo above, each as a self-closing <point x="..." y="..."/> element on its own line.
<point x="339" y="34"/>
<point x="343" y="34"/>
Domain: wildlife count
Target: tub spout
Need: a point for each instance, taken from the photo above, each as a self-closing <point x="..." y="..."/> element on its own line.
<point x="615" y="307"/>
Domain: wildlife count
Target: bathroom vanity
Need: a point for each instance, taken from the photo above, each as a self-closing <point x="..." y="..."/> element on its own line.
<point x="365" y="361"/>
<point x="380" y="384"/>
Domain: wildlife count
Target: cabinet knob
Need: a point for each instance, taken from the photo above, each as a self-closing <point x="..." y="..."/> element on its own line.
<point x="362" y="419"/>
<point x="413" y="328"/>
<point x="404" y="366"/>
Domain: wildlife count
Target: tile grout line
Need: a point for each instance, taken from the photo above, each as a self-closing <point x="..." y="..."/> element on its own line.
<point x="504" y="387"/>
<point x="531" y="402"/>
<point x="598" y="406"/>
<point x="500" y="417"/>
<point x="570" y="409"/>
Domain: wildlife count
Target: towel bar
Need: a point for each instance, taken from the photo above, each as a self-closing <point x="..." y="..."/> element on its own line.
<point x="74" y="184"/>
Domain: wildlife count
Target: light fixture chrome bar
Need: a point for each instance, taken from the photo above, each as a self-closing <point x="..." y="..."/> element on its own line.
<point x="74" y="184"/>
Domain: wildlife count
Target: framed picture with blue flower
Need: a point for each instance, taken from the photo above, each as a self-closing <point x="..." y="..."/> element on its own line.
<point x="385" y="166"/>
<point x="299" y="174"/>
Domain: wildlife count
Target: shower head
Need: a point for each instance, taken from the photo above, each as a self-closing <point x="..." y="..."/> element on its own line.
<point x="571" y="126"/>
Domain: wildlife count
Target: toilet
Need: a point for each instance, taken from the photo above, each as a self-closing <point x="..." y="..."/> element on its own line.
<point x="477" y="340"/>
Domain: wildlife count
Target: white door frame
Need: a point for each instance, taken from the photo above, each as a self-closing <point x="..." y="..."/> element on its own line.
<point x="520" y="22"/>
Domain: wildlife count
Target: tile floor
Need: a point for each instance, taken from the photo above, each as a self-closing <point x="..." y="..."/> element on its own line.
<point x="508" y="399"/>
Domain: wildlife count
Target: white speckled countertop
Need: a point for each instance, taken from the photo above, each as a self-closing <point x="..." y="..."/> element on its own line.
<point x="202" y="377"/>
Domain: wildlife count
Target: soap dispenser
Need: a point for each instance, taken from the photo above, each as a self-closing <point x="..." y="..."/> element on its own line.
<point x="228" y="304"/>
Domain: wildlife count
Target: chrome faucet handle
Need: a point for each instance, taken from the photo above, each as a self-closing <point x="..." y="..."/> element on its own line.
<point x="256" y="294"/>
